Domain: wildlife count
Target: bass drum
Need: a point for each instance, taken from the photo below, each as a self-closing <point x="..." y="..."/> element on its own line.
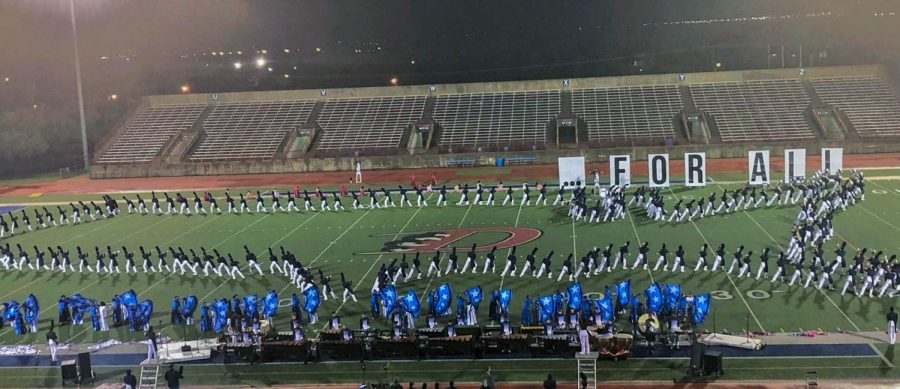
<point x="648" y="324"/>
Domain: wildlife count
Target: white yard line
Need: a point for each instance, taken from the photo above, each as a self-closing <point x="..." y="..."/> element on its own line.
<point x="170" y="273"/>
<point x="375" y="262"/>
<point x="636" y="235"/>
<point x="516" y="224"/>
<point x="733" y="284"/>
<point x="877" y="217"/>
<point x="316" y="259"/>
<point x="50" y="306"/>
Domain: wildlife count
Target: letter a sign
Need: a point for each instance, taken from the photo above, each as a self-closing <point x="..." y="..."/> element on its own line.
<point x="759" y="167"/>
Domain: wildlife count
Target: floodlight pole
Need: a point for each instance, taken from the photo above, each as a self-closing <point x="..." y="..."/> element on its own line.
<point x="84" y="141"/>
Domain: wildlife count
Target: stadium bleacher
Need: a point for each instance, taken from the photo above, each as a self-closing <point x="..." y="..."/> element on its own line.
<point x="149" y="131"/>
<point x="252" y="130"/>
<point x="367" y="123"/>
<point x="628" y="113"/>
<point x="869" y="102"/>
<point x="766" y="110"/>
<point x="477" y="119"/>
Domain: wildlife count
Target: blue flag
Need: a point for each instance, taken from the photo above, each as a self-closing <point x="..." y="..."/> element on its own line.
<point x="505" y="297"/>
<point x="312" y="299"/>
<point x="270" y="304"/>
<point x="250" y="307"/>
<point x="701" y="308"/>
<point x="128" y="298"/>
<point x="546" y="308"/>
<point x="606" y="308"/>
<point x="146" y="311"/>
<point x="654" y="298"/>
<point x="672" y="297"/>
<point x="389" y="298"/>
<point x="32" y="309"/>
<point x="190" y="304"/>
<point x="220" y="307"/>
<point x="411" y="303"/>
<point x="442" y="305"/>
<point x="475" y="296"/>
<point x="623" y="292"/>
<point x="575" y="296"/>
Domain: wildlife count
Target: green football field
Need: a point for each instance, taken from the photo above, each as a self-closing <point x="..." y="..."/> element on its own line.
<point x="350" y="242"/>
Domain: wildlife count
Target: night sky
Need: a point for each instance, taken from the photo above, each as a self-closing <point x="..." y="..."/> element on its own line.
<point x="426" y="41"/>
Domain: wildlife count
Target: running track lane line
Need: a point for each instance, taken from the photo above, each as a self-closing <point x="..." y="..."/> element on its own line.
<point x="733" y="284"/>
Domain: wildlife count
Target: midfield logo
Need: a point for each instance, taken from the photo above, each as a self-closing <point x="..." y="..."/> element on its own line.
<point x="444" y="240"/>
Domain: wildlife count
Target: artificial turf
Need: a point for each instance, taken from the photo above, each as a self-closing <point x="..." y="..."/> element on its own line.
<point x="330" y="241"/>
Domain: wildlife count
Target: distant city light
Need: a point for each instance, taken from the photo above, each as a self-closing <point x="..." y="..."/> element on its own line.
<point x="287" y="76"/>
<point x="238" y="65"/>
<point x="34" y="106"/>
<point x="413" y="62"/>
<point x="287" y="51"/>
<point x="5" y="79"/>
<point x="265" y="51"/>
<point x="318" y="49"/>
<point x="239" y="52"/>
<point x="394" y="81"/>
<point x="260" y="62"/>
<point x="718" y="64"/>
<point x="185" y="89"/>
<point x="269" y="69"/>
<point x="113" y="97"/>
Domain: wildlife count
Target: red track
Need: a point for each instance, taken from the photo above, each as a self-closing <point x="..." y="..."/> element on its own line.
<point x="84" y="185"/>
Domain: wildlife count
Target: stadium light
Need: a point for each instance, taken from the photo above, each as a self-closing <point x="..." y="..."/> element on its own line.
<point x="238" y="65"/>
<point x="185" y="88"/>
<point x="260" y="62"/>
<point x="395" y="81"/>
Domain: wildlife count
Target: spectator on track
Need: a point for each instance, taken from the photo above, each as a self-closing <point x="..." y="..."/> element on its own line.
<point x="129" y="380"/>
<point x="550" y="383"/>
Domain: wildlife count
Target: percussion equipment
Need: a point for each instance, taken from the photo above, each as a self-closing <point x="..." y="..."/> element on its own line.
<point x="648" y="324"/>
<point x="603" y="342"/>
<point x="623" y="342"/>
